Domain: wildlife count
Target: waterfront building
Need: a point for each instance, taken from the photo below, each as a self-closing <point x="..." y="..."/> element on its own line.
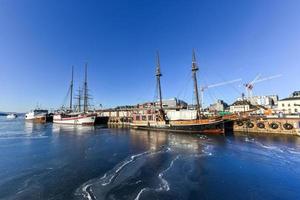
<point x="219" y="106"/>
<point x="240" y="106"/>
<point x="290" y="105"/>
<point x="267" y="101"/>
<point x="172" y="103"/>
<point x="246" y="106"/>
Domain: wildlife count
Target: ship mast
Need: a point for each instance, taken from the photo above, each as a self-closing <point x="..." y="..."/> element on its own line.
<point x="79" y="99"/>
<point x="71" y="89"/>
<point x="85" y="90"/>
<point x="158" y="75"/>
<point x="194" y="73"/>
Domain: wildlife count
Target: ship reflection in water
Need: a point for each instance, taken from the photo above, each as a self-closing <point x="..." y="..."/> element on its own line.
<point x="50" y="161"/>
<point x="71" y="129"/>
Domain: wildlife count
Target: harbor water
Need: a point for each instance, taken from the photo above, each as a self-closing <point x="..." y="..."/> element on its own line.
<point x="49" y="161"/>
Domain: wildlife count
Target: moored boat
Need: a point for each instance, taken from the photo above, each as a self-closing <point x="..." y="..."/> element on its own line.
<point x="78" y="117"/>
<point x="157" y="118"/>
<point x="154" y="122"/>
<point x="74" y="119"/>
<point x="11" y="116"/>
<point x="38" y="116"/>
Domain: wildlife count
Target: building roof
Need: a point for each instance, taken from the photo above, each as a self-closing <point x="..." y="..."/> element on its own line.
<point x="290" y="99"/>
<point x="246" y="102"/>
<point x="241" y="102"/>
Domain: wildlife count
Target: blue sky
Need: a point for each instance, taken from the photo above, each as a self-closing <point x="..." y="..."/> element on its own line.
<point x="41" y="40"/>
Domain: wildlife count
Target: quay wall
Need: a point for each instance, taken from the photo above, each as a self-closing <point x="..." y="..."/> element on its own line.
<point x="288" y="126"/>
<point x="276" y="126"/>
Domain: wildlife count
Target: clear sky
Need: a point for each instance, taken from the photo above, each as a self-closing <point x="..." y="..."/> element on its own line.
<point x="41" y="40"/>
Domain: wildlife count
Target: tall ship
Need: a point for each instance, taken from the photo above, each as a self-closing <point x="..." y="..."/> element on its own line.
<point x="157" y="118"/>
<point x="76" y="116"/>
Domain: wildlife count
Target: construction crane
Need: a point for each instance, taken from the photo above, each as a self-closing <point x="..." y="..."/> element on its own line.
<point x="249" y="86"/>
<point x="203" y="88"/>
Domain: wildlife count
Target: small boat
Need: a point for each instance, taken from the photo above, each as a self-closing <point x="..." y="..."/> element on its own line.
<point x="11" y="116"/>
<point x="78" y="117"/>
<point x="37" y="115"/>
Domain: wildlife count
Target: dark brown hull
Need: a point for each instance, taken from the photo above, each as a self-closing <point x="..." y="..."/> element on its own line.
<point x="219" y="127"/>
<point x="101" y="120"/>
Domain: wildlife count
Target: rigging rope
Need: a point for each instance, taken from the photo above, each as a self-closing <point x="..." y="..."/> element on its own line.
<point x="66" y="97"/>
<point x="183" y="89"/>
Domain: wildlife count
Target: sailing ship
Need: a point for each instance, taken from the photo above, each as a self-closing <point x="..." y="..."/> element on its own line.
<point x="157" y="119"/>
<point x="76" y="117"/>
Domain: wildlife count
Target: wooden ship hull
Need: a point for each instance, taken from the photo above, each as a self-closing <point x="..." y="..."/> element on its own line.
<point x="199" y="126"/>
<point x="191" y="126"/>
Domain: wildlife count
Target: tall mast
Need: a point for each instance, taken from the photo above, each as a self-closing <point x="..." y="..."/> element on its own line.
<point x="194" y="73"/>
<point x="71" y="89"/>
<point x="158" y="75"/>
<point x="85" y="97"/>
<point x="79" y="100"/>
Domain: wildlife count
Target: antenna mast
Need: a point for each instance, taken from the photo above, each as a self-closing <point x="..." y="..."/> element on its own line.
<point x="194" y="72"/>
<point x="158" y="75"/>
<point x="71" y="89"/>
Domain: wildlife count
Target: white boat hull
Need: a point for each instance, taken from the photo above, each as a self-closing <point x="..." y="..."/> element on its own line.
<point x="78" y="120"/>
<point x="11" y="116"/>
<point x="37" y="115"/>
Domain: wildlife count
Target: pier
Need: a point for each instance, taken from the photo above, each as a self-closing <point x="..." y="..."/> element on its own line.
<point x="123" y="117"/>
<point x="116" y="117"/>
<point x="287" y="126"/>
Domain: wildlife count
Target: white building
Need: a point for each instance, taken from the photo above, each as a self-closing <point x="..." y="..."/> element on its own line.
<point x="240" y="106"/>
<point x="290" y="105"/>
<point x="267" y="101"/>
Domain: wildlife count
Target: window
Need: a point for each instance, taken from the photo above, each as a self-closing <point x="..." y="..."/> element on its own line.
<point x="289" y="105"/>
<point x="150" y="118"/>
<point x="144" y="118"/>
<point x="283" y="105"/>
<point x="296" y="110"/>
<point x="137" y="118"/>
